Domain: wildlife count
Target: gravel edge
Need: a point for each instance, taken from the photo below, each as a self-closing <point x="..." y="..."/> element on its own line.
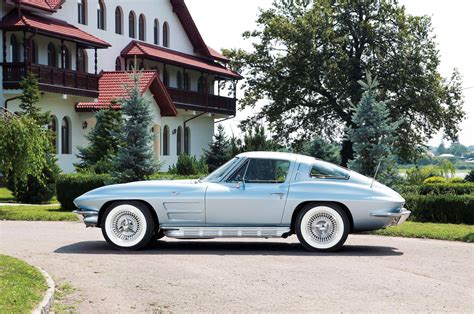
<point x="47" y="302"/>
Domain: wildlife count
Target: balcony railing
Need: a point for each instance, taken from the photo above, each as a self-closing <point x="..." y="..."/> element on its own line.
<point x="52" y="79"/>
<point x="201" y="101"/>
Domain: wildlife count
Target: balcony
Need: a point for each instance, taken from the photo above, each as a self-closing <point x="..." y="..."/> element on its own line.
<point x="185" y="99"/>
<point x="51" y="79"/>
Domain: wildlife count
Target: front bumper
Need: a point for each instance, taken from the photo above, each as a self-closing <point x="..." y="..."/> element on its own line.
<point x="89" y="217"/>
<point x="398" y="217"/>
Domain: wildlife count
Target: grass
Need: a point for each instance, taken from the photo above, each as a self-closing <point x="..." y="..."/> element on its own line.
<point x="6" y="196"/>
<point x="36" y="213"/>
<point x="22" y="286"/>
<point x="61" y="302"/>
<point x="410" y="229"/>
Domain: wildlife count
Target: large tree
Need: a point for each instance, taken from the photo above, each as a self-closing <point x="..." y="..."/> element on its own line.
<point x="309" y="55"/>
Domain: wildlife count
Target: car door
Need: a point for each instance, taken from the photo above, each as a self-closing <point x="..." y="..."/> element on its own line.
<point x="253" y="195"/>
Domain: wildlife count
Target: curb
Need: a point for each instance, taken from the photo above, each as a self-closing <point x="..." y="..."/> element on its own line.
<point x="45" y="306"/>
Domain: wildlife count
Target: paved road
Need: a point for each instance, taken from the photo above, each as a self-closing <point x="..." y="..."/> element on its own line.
<point x="370" y="274"/>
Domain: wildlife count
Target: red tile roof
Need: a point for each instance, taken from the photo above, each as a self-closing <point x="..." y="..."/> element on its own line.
<point x="217" y="55"/>
<point x="148" y="51"/>
<point x="113" y="87"/>
<point x="46" y="5"/>
<point x="50" y="26"/>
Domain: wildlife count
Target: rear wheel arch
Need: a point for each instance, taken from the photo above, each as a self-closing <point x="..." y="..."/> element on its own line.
<point x="302" y="205"/>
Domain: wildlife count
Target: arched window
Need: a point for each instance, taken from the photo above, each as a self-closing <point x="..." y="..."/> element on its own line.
<point x="187" y="140"/>
<point x="118" y="64"/>
<point x="156" y="32"/>
<point x="67" y="58"/>
<point x="81" y="60"/>
<point x="179" y="141"/>
<point x="81" y="11"/>
<point x="118" y="21"/>
<point x="52" y="57"/>
<point x="53" y="127"/>
<point x="166" y="141"/>
<point x="141" y="27"/>
<point x="131" y="25"/>
<point x="34" y="52"/>
<point x="101" y="15"/>
<point x="187" y="81"/>
<point x="15" y="49"/>
<point x="166" y="35"/>
<point x="166" y="77"/>
<point x="179" y="80"/>
<point x="201" y="84"/>
<point x="65" y="136"/>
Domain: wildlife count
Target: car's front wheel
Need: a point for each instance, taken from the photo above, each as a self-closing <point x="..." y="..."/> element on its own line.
<point x="322" y="227"/>
<point x="127" y="225"/>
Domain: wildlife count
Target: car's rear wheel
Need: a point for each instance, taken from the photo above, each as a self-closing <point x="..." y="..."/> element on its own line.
<point x="127" y="225"/>
<point x="322" y="227"/>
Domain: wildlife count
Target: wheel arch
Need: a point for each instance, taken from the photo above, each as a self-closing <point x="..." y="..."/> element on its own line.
<point x="300" y="207"/>
<point x="145" y="203"/>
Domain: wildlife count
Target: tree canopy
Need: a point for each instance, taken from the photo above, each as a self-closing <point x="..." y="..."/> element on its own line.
<point x="308" y="56"/>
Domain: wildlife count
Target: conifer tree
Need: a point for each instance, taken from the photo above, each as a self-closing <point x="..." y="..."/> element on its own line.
<point x="135" y="160"/>
<point x="218" y="152"/>
<point x="104" y="140"/>
<point x="373" y="135"/>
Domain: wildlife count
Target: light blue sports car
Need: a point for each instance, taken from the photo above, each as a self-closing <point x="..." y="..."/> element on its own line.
<point x="256" y="194"/>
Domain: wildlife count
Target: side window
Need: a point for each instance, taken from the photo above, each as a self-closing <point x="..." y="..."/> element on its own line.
<point x="262" y="171"/>
<point x="326" y="170"/>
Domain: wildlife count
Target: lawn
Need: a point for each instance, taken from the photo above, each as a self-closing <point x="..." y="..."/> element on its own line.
<point x="36" y="213"/>
<point x="7" y="197"/>
<point x="438" y="231"/>
<point x="22" y="286"/>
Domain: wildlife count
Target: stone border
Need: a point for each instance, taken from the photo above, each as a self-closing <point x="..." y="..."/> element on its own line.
<point x="46" y="304"/>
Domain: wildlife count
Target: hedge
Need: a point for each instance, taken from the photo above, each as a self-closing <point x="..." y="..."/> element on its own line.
<point x="70" y="186"/>
<point x="437" y="188"/>
<point x="443" y="208"/>
<point x="168" y="176"/>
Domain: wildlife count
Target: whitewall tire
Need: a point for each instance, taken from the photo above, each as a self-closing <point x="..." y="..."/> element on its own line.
<point x="322" y="227"/>
<point x="127" y="225"/>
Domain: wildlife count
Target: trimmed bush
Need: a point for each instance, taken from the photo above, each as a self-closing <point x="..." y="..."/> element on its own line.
<point x="445" y="208"/>
<point x="456" y="180"/>
<point x="169" y="176"/>
<point x="188" y="165"/>
<point x="70" y="186"/>
<point x="434" y="180"/>
<point x="446" y="188"/>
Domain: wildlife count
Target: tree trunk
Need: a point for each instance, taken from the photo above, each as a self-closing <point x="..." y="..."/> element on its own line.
<point x="347" y="152"/>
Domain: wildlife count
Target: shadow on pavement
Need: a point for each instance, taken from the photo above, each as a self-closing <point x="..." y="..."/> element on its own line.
<point x="187" y="247"/>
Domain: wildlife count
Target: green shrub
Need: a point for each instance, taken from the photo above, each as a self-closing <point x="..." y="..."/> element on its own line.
<point x="417" y="175"/>
<point x="188" y="165"/>
<point x="470" y="176"/>
<point x="446" y="188"/>
<point x="434" y="180"/>
<point x="70" y="186"/>
<point x="407" y="189"/>
<point x="456" y="180"/>
<point x="170" y="176"/>
<point x="445" y="208"/>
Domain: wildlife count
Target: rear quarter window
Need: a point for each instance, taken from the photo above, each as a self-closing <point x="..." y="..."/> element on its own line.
<point x="326" y="170"/>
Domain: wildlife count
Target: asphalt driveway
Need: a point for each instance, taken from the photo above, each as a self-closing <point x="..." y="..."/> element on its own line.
<point x="371" y="273"/>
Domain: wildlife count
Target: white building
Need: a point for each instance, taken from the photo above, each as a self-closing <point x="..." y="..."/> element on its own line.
<point x="80" y="49"/>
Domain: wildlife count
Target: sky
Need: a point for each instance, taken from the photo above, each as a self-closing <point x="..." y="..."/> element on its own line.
<point x="222" y="22"/>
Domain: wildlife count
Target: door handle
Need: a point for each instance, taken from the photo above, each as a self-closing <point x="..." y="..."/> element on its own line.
<point x="281" y="194"/>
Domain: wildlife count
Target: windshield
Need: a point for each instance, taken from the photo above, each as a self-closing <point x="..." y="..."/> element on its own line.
<point x="220" y="172"/>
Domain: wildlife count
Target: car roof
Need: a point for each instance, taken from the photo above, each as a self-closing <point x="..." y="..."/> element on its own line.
<point x="282" y="155"/>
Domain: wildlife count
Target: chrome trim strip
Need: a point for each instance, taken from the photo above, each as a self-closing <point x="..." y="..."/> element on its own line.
<point x="86" y="212"/>
<point x="223" y="232"/>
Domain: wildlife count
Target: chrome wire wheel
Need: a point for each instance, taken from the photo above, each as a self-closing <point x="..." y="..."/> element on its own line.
<point x="322" y="227"/>
<point x="125" y="225"/>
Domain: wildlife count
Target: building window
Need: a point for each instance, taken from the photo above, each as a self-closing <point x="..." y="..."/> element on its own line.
<point x="179" y="80"/>
<point x="166" y="35"/>
<point x="66" y="136"/>
<point x="14" y="49"/>
<point x="201" y="84"/>
<point x="166" y="141"/>
<point x="53" y="127"/>
<point x="81" y="60"/>
<point x="81" y="11"/>
<point x="142" y="27"/>
<point x="67" y="58"/>
<point x="131" y="25"/>
<point x="118" y="64"/>
<point x="166" y="78"/>
<point x="179" y="141"/>
<point x="187" y="140"/>
<point x="101" y="15"/>
<point x="118" y="21"/>
<point x="156" y="32"/>
<point x="187" y="81"/>
<point x="52" y="57"/>
<point x="34" y="52"/>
